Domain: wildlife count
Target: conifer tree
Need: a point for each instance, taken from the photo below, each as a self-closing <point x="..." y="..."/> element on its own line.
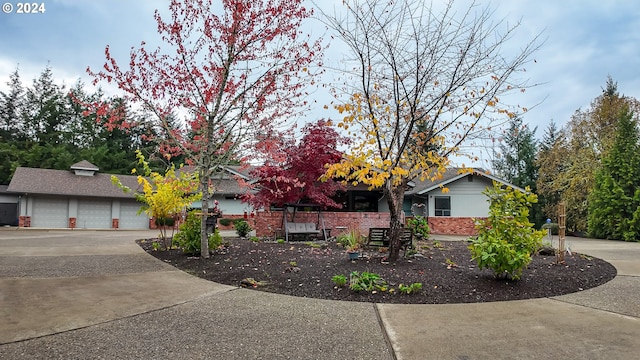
<point x="615" y="200"/>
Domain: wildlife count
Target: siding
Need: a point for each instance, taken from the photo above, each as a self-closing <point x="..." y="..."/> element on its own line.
<point x="467" y="199"/>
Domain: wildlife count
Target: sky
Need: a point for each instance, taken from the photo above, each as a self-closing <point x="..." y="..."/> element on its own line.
<point x="585" y="41"/>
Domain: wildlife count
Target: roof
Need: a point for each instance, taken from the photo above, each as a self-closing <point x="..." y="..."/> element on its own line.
<point x="64" y="182"/>
<point x="451" y="175"/>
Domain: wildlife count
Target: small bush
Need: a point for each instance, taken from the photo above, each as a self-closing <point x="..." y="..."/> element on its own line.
<point x="339" y="280"/>
<point x="242" y="228"/>
<point x="188" y="236"/>
<point x="225" y="221"/>
<point x="410" y="289"/>
<point x="366" y="281"/>
<point x="419" y="226"/>
<point x="506" y="239"/>
<point x="165" y="221"/>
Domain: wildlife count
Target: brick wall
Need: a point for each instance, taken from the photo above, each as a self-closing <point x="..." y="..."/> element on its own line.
<point x="266" y="223"/>
<point x="24" y="221"/>
<point x="445" y="225"/>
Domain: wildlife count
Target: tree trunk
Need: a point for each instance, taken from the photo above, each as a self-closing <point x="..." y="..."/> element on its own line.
<point x="204" y="239"/>
<point x="395" y="198"/>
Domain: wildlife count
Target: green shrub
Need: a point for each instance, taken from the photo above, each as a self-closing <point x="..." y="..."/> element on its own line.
<point x="242" y="228"/>
<point x="165" y="221"/>
<point x="366" y="281"/>
<point x="339" y="280"/>
<point x="225" y="221"/>
<point x="410" y="289"/>
<point x="506" y="239"/>
<point x="419" y="226"/>
<point x="188" y="236"/>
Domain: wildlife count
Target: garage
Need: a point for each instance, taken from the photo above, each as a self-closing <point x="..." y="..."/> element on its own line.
<point x="94" y="214"/>
<point x="50" y="213"/>
<point x="129" y="218"/>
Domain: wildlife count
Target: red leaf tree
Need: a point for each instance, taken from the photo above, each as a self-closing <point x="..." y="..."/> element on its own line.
<point x="231" y="79"/>
<point x="293" y="174"/>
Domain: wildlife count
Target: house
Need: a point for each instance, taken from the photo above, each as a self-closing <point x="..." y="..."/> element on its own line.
<point x="453" y="211"/>
<point x="79" y="198"/>
<point x="85" y="198"/>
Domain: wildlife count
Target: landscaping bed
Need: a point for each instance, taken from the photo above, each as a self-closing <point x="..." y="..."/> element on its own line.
<point x="445" y="269"/>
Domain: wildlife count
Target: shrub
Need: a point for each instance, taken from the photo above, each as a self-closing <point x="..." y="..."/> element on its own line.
<point x="339" y="280"/>
<point x="506" y="239"/>
<point x="225" y="221"/>
<point x="419" y="226"/>
<point x="366" y="281"/>
<point x="242" y="228"/>
<point x="188" y="236"/>
<point x="410" y="289"/>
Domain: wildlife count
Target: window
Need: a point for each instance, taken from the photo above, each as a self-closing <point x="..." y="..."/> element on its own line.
<point x="443" y="206"/>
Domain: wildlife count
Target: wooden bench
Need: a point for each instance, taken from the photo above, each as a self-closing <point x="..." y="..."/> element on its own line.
<point x="379" y="237"/>
<point x="301" y="229"/>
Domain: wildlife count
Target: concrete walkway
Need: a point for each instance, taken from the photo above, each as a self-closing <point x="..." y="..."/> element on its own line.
<point x="97" y="295"/>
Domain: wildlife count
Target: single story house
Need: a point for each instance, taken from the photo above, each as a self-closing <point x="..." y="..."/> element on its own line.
<point x="79" y="198"/>
<point x="85" y="198"/>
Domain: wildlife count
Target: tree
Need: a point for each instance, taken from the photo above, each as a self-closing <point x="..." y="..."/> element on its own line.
<point x="162" y="196"/>
<point x="11" y="104"/>
<point x="517" y="161"/>
<point x="588" y="138"/>
<point x="615" y="199"/>
<point x="294" y="174"/>
<point x="423" y="83"/>
<point x="550" y="162"/>
<point x="234" y="78"/>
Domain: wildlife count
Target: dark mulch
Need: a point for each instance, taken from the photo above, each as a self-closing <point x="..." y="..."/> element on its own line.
<point x="446" y="273"/>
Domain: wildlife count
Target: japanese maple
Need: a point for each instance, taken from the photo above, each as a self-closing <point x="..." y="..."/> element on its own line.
<point x="233" y="79"/>
<point x="293" y="176"/>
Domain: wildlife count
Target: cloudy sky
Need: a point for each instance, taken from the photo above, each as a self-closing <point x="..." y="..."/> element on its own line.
<point x="586" y="40"/>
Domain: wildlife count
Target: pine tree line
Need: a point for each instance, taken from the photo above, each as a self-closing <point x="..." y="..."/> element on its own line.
<point x="592" y="164"/>
<point x="45" y="125"/>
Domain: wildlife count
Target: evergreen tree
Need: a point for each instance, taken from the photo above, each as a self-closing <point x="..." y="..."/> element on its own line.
<point x="615" y="200"/>
<point x="517" y="161"/>
<point x="11" y="104"/>
<point x="550" y="161"/>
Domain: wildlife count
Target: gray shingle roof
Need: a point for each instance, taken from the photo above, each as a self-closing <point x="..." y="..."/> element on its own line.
<point x="62" y="182"/>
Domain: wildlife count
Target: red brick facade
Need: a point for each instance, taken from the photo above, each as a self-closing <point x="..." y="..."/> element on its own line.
<point x="266" y="223"/>
<point x="24" y="221"/>
<point x="445" y="225"/>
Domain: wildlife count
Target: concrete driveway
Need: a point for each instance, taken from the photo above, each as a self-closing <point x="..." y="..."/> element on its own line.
<point x="97" y="295"/>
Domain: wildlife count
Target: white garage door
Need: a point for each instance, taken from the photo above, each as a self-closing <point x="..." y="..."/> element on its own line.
<point x="129" y="219"/>
<point x="50" y="213"/>
<point x="94" y="214"/>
